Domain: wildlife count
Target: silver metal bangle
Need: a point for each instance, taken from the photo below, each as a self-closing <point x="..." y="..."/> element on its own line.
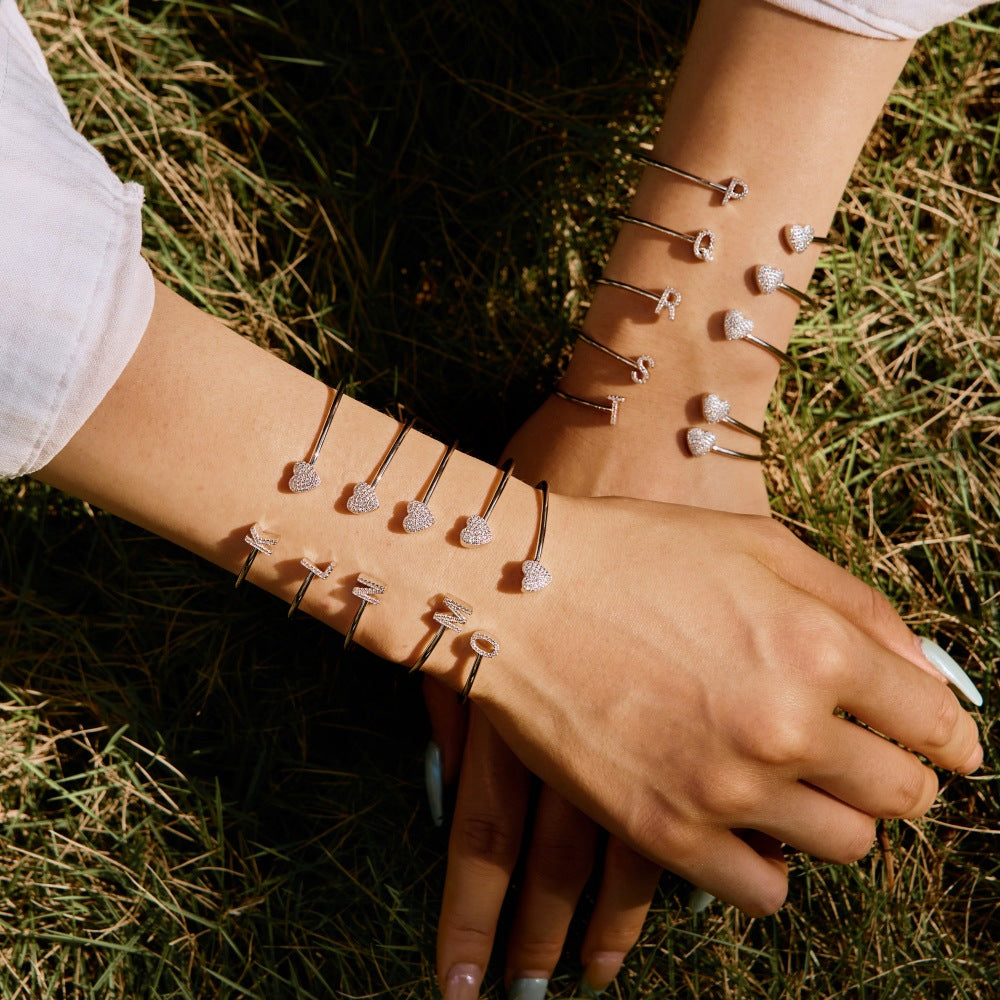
<point x="368" y="591"/>
<point x="611" y="410"/>
<point x="772" y="279"/>
<point x="483" y="645"/>
<point x="701" y="442"/>
<point x="259" y="544"/>
<point x="732" y="190"/>
<point x="702" y="243"/>
<point x="313" y="572"/>
<point x="418" y="513"/>
<point x="454" y="618"/>
<point x="716" y="411"/>
<point x="669" y="299"/>
<point x="364" y="498"/>
<point x="740" y="327"/>
<point x="536" y="576"/>
<point x="476" y="531"/>
<point x="304" y="475"/>
<point x="640" y="366"/>
<point x="799" y="238"/>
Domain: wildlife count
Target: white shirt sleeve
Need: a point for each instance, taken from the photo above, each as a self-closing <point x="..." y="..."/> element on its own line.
<point x="889" y="19"/>
<point x="76" y="294"/>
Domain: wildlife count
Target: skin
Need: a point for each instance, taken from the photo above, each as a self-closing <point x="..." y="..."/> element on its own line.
<point x="744" y="62"/>
<point x="198" y="435"/>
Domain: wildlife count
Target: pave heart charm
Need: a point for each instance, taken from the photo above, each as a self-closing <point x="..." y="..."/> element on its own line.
<point x="736" y="325"/>
<point x="700" y="441"/>
<point x="363" y="499"/>
<point x="418" y="517"/>
<point x="799" y="238"/>
<point x="475" y="532"/>
<point x="536" y="576"/>
<point x="769" y="279"/>
<point x="714" y="408"/>
<point x="304" y="477"/>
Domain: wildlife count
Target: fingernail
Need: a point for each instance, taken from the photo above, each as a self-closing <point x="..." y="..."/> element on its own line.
<point x="950" y="670"/>
<point x="463" y="982"/>
<point x="434" y="782"/>
<point x="601" y="969"/>
<point x="528" y="989"/>
<point x="700" y="900"/>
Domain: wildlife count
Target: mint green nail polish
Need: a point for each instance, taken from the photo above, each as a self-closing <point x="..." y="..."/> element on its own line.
<point x="950" y="670"/>
<point x="528" y="989"/>
<point x="434" y="782"/>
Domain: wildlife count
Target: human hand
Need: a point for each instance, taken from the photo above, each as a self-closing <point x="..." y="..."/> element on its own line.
<point x="485" y="840"/>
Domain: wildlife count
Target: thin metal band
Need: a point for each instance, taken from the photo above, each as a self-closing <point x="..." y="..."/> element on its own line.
<point x="798" y="294"/>
<point x="467" y="688"/>
<point x="334" y="406"/>
<point x="312" y="572"/>
<point x="428" y="649"/>
<point x="668" y="299"/>
<point x="355" y="622"/>
<point x="481" y="653"/>
<point x="628" y="288"/>
<point x="365" y="589"/>
<point x="612" y="409"/>
<point x="703" y="242"/>
<point x="772" y="279"/>
<point x="543" y="488"/>
<point x="438" y="473"/>
<point x="391" y="453"/>
<point x="507" y="468"/>
<point x="258" y="543"/>
<point x="640" y="366"/>
<point x="771" y="349"/>
<point x="733" y="190"/>
<point x="746" y="428"/>
<point x="719" y="450"/>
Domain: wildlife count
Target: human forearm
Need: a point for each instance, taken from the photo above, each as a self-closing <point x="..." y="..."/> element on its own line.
<point x="785" y="104"/>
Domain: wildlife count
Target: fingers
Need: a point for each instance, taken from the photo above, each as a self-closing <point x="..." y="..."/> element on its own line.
<point x="870" y="773"/>
<point x="885" y="692"/>
<point x="731" y="868"/>
<point x="627" y="887"/>
<point x="484" y="845"/>
<point x="448" y="724"/>
<point x="560" y="860"/>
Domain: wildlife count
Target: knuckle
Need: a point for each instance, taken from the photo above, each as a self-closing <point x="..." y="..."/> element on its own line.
<point x="911" y="793"/>
<point x="730" y="798"/>
<point x="944" y="721"/>
<point x="488" y="840"/>
<point x="858" y="843"/>
<point x="878" y="610"/>
<point x="784" y="741"/>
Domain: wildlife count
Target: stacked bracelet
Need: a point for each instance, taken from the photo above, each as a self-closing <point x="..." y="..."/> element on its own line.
<point x="418" y="514"/>
<point x="304" y="475"/>
<point x="368" y="591"/>
<point x="312" y="572"/>
<point x="612" y="409"/>
<point x="772" y="279"/>
<point x="799" y="238"/>
<point x="258" y="544"/>
<point x="640" y="366"/>
<point x="476" y="531"/>
<point x="732" y="190"/>
<point x="483" y="645"/>
<point x="364" y="498"/>
<point x="454" y="618"/>
<point x="536" y="576"/>
<point x="669" y="299"/>
<point x="740" y="327"/>
<point x="702" y="243"/>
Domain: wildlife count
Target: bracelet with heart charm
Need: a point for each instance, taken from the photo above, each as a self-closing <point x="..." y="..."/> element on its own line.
<point x="364" y="499"/>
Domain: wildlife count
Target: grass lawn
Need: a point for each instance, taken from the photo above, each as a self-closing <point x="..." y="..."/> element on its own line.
<point x="201" y="800"/>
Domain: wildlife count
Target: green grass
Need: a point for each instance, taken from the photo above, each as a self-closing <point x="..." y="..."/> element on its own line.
<point x="201" y="800"/>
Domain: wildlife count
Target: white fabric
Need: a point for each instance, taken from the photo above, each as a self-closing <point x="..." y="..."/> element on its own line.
<point x="888" y="19"/>
<point x="75" y="295"/>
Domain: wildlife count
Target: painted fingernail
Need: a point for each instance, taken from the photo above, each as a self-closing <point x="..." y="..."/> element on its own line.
<point x="949" y="669"/>
<point x="434" y="782"/>
<point x="528" y="989"/>
<point x="700" y="900"/>
<point x="601" y="969"/>
<point x="463" y="982"/>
